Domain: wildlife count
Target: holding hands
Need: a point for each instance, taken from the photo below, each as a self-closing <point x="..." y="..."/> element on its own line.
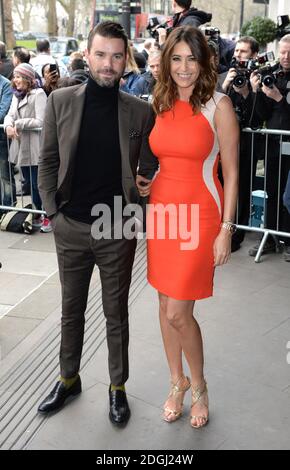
<point x="143" y="185"/>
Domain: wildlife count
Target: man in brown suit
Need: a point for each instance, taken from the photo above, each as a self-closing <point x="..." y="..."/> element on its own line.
<point x="93" y="138"/>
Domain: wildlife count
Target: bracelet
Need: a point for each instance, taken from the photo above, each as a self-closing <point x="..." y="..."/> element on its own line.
<point x="230" y="226"/>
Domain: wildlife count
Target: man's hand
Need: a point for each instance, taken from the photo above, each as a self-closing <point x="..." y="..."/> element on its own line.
<point x="232" y="73"/>
<point x="255" y="81"/>
<point x="243" y="91"/>
<point x="272" y="93"/>
<point x="143" y="185"/>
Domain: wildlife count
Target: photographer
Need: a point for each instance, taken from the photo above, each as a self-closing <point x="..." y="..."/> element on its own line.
<point x="246" y="48"/>
<point x="225" y="47"/>
<point x="237" y="86"/>
<point x="273" y="107"/>
<point x="145" y="85"/>
<point x="184" y="15"/>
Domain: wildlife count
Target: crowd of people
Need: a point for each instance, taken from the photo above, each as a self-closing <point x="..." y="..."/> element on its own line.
<point x="177" y="145"/>
<point x="25" y="83"/>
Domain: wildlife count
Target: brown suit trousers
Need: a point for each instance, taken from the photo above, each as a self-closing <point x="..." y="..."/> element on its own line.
<point x="77" y="253"/>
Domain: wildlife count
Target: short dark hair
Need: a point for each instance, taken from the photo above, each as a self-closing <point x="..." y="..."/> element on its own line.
<point x="108" y="29"/>
<point x="186" y="4"/>
<point x="42" y="45"/>
<point x="45" y="65"/>
<point x="22" y="54"/>
<point x="140" y="60"/>
<point x="254" y="45"/>
<point x="77" y="64"/>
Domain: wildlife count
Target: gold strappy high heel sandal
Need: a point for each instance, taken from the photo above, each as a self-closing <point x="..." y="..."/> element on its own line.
<point x="174" y="414"/>
<point x="199" y="395"/>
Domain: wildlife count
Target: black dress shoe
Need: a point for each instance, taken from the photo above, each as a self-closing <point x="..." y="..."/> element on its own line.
<point x="57" y="397"/>
<point x="119" y="408"/>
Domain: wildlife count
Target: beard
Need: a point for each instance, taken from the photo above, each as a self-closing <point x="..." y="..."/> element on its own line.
<point x="107" y="82"/>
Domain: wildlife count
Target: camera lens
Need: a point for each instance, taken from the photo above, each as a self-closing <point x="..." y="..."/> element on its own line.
<point x="280" y="74"/>
<point x="239" y="81"/>
<point x="268" y="81"/>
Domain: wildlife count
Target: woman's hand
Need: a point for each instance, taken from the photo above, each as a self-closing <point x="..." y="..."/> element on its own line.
<point x="11" y="132"/>
<point x="143" y="185"/>
<point x="52" y="77"/>
<point x="222" y="247"/>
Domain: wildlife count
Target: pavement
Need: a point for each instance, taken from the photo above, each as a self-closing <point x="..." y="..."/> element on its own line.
<point x="246" y="331"/>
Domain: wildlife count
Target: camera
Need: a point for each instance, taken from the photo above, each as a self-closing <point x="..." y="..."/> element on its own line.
<point x="211" y="33"/>
<point x="265" y="57"/>
<point x="154" y="25"/>
<point x="147" y="98"/>
<point x="244" y="69"/>
<point x="283" y="26"/>
<point x="268" y="75"/>
<point x="144" y="97"/>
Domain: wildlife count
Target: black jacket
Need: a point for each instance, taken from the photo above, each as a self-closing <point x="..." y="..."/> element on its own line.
<point x="6" y="68"/>
<point x="192" y="17"/>
<point x="244" y="109"/>
<point x="276" y="115"/>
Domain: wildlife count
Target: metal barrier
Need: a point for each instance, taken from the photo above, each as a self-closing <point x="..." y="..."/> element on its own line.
<point x="277" y="142"/>
<point x="7" y="180"/>
<point x="273" y="137"/>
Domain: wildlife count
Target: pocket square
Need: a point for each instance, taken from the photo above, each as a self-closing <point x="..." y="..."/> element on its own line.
<point x="134" y="134"/>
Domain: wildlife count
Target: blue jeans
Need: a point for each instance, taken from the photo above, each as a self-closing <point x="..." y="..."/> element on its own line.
<point x="7" y="181"/>
<point x="30" y="175"/>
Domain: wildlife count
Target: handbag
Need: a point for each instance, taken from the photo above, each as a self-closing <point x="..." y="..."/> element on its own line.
<point x="17" y="221"/>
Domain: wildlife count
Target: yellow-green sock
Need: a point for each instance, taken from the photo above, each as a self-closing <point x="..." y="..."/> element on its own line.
<point x="117" y="387"/>
<point x="68" y="382"/>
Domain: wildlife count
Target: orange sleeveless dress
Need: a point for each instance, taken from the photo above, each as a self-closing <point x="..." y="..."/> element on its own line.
<point x="186" y="202"/>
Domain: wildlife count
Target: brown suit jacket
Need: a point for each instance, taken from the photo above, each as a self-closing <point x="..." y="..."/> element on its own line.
<point x="60" y="137"/>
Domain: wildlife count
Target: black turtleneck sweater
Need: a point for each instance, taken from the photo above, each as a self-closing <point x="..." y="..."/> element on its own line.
<point x="97" y="175"/>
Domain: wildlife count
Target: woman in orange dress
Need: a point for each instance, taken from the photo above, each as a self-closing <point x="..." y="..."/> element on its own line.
<point x="190" y="217"/>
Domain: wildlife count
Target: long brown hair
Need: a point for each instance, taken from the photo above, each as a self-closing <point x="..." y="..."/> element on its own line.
<point x="165" y="91"/>
<point x="30" y="85"/>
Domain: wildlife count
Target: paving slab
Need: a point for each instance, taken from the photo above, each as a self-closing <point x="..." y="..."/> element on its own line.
<point x="245" y="326"/>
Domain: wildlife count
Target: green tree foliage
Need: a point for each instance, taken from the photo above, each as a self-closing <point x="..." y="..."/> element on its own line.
<point x="264" y="30"/>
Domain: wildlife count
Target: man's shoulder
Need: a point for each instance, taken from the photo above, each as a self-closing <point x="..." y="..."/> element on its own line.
<point x="4" y="80"/>
<point x="41" y="58"/>
<point x="64" y="94"/>
<point x="145" y="77"/>
<point x="135" y="102"/>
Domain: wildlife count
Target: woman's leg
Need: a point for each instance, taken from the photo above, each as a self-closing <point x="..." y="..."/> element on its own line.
<point x="30" y="174"/>
<point x="35" y="193"/>
<point x="187" y="334"/>
<point x="173" y="352"/>
<point x="171" y="341"/>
